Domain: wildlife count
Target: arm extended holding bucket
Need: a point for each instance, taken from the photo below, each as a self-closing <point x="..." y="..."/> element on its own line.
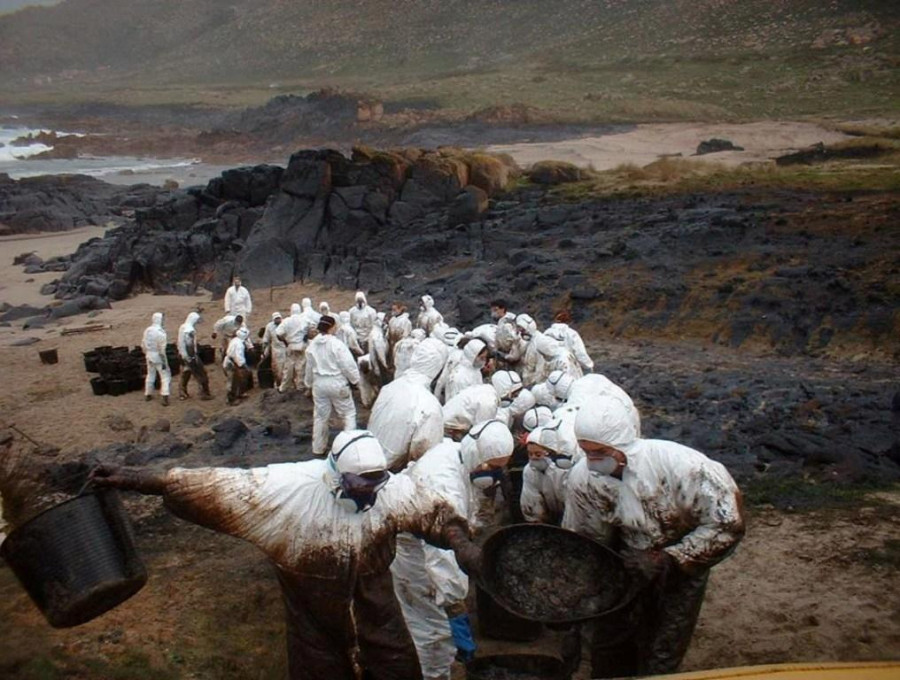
<point x="130" y="479"/>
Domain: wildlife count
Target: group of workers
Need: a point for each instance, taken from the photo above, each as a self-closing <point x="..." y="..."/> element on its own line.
<point x="372" y="539"/>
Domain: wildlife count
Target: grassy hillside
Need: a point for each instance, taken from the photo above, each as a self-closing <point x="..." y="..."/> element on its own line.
<point x="588" y="60"/>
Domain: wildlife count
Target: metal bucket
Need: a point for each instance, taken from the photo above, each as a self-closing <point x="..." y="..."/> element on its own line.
<point x="516" y="667"/>
<point x="77" y="560"/>
<point x="544" y="573"/>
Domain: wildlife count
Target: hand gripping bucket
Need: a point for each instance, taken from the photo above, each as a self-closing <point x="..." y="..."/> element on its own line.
<point x="77" y="560"/>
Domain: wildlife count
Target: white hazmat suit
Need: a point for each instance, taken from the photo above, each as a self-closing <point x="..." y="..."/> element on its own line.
<point x="428" y="579"/>
<point x="406" y="417"/>
<point x="153" y="343"/>
<point x="330" y="371"/>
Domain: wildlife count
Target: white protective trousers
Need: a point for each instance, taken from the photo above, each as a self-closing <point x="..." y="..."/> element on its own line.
<point x="155" y="366"/>
<point x="330" y="393"/>
<point x="425" y="617"/>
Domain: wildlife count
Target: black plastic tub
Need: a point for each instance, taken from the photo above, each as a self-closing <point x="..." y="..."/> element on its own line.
<point x="516" y="667"/>
<point x="98" y="385"/>
<point x="77" y="560"/>
<point x="207" y="353"/>
<point x="92" y="361"/>
<point x="116" y="388"/>
<point x="266" y="378"/>
<point x="48" y="356"/>
<point x="544" y="573"/>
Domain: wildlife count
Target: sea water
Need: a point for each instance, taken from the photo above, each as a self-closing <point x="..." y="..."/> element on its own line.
<point x="18" y="162"/>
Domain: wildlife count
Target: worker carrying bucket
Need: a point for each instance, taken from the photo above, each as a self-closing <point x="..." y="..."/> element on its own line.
<point x="670" y="511"/>
<point x="329" y="527"/>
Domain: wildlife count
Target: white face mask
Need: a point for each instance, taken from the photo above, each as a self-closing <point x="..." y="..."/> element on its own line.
<point x="539" y="464"/>
<point x="603" y="466"/>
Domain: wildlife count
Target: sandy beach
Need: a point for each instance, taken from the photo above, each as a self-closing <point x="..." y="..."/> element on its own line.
<point x="645" y="144"/>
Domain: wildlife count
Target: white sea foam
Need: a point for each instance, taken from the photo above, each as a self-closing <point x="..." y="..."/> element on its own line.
<point x="17" y="162"/>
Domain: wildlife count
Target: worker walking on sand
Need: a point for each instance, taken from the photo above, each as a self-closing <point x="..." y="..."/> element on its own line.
<point x="190" y="359"/>
<point x="330" y="373"/>
<point x="273" y="348"/>
<point x="154" y="345"/>
<point x="328" y="527"/>
<point x="672" y="511"/>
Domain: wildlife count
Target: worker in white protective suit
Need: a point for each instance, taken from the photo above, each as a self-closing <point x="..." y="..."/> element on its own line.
<point x="362" y="318"/>
<point x="406" y="417"/>
<point x="235" y="366"/>
<point x="529" y="362"/>
<point x="237" y="300"/>
<point x="226" y="328"/>
<point x="672" y="511"/>
<point x="273" y="348"/>
<point x="562" y="331"/>
<point x="454" y="341"/>
<point x="192" y="366"/>
<point x="429" y="584"/>
<point x="589" y="387"/>
<point x="428" y="317"/>
<point x="399" y="325"/>
<point x="373" y="365"/>
<point x="506" y="336"/>
<point x="515" y="400"/>
<point x="324" y="309"/>
<point x="331" y="372"/>
<point x="467" y="371"/>
<point x="552" y="451"/>
<point x="294" y="333"/>
<point x="473" y="405"/>
<point x="328" y="526"/>
<point x="347" y="334"/>
<point x="308" y="313"/>
<point x="403" y="351"/>
<point x="536" y="416"/>
<point x="153" y="343"/>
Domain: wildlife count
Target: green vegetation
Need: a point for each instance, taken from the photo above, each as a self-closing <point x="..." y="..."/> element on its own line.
<point x="804" y="495"/>
<point x="877" y="170"/>
<point x="574" y="60"/>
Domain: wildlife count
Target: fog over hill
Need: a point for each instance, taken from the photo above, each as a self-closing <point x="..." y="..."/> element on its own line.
<point x="461" y="53"/>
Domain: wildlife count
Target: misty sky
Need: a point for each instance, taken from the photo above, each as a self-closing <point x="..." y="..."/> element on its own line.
<point x="10" y="5"/>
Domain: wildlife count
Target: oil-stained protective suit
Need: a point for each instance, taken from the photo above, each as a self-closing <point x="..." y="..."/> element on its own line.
<point x="187" y="350"/>
<point x="331" y="557"/>
<point x="672" y="503"/>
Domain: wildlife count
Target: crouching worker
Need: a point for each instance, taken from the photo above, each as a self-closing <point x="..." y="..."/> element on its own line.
<point x="672" y="511"/>
<point x="329" y="527"/>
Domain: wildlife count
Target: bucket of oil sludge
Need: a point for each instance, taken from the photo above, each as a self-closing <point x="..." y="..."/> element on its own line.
<point x="497" y="622"/>
<point x="544" y="573"/>
<point x="516" y="667"/>
<point x="77" y="560"/>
